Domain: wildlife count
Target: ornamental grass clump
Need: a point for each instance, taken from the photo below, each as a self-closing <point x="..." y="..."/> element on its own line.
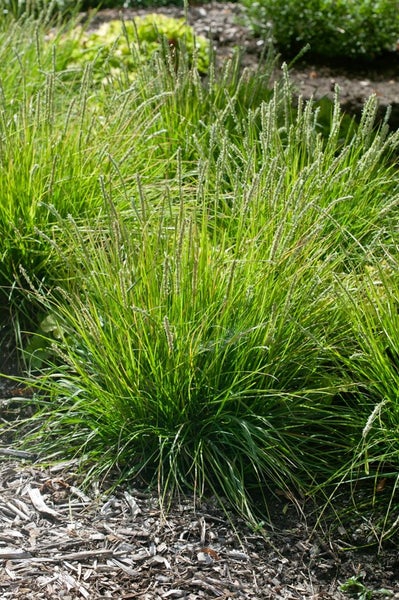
<point x="182" y="352"/>
<point x="198" y="324"/>
<point x="54" y="145"/>
<point x="60" y="137"/>
<point x="194" y="250"/>
<point x="46" y="159"/>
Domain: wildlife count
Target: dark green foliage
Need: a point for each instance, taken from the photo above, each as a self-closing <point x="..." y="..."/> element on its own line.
<point x="333" y="28"/>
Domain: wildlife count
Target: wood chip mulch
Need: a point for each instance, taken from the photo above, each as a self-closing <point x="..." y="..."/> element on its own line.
<point x="58" y="540"/>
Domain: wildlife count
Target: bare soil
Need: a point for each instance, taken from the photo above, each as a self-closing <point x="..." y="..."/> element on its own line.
<point x="59" y="539"/>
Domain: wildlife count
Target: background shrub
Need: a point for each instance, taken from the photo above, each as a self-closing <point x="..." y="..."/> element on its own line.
<point x="333" y="28"/>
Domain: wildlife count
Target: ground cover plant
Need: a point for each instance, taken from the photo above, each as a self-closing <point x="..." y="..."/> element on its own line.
<point x="213" y="274"/>
<point x="344" y="28"/>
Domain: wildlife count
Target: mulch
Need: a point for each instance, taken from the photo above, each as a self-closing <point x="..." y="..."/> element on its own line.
<point x="59" y="539"/>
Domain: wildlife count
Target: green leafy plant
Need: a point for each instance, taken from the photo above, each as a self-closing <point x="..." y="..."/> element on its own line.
<point x="343" y="28"/>
<point x="39" y="350"/>
<point x="355" y="588"/>
<point x="118" y="47"/>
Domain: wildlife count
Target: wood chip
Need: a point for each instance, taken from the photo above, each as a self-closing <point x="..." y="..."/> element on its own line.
<point x="14" y="554"/>
<point x="40" y="505"/>
<point x="134" y="507"/>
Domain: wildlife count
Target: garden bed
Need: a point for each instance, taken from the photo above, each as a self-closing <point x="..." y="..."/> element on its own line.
<point x="59" y="539"/>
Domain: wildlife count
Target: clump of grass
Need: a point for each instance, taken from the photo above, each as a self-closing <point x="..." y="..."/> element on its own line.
<point x="182" y="359"/>
<point x="199" y="327"/>
<point x="60" y="138"/>
<point x="191" y="237"/>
